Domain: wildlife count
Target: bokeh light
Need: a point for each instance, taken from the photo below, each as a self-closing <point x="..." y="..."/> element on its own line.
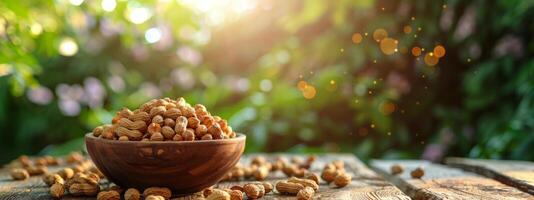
<point x="407" y="29"/>
<point x="357" y="38"/>
<point x="68" y="47"/>
<point x="388" y="46"/>
<point x="416" y="51"/>
<point x="431" y="59"/>
<point x="439" y="51"/>
<point x="108" y="5"/>
<point x="153" y="35"/>
<point x="139" y="15"/>
<point x="76" y="2"/>
<point x="380" y="34"/>
<point x="309" y="92"/>
<point x="301" y="85"/>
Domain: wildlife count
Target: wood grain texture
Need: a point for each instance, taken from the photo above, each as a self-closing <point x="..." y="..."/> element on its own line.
<point x="366" y="184"/>
<point x="519" y="174"/>
<point x="442" y="182"/>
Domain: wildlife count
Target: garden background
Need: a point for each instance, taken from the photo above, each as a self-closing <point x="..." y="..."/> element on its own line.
<point x="296" y="76"/>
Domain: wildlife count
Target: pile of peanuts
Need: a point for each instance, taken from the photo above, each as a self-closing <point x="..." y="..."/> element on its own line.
<point x="165" y="120"/>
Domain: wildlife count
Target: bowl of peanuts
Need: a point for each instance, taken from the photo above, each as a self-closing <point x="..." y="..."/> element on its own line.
<point x="165" y="143"/>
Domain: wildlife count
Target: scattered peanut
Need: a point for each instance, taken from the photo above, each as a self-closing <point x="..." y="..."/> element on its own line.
<point x="159" y="191"/>
<point x="312" y="176"/>
<point x="218" y="195"/>
<point x="342" y="180"/>
<point x="305" y="194"/>
<point x="66" y="173"/>
<point x="235" y="194"/>
<point x="154" y="197"/>
<point x="304" y="182"/>
<point x="396" y="169"/>
<point x="253" y="191"/>
<point x="108" y="195"/>
<point x="417" y="172"/>
<point x="19" y="174"/>
<point x="132" y="194"/>
<point x="50" y="179"/>
<point x="285" y="187"/>
<point x="329" y="174"/>
<point x="57" y="190"/>
<point x="268" y="187"/>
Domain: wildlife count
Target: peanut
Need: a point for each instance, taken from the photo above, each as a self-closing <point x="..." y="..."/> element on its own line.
<point x="178" y="137"/>
<point x="189" y="135"/>
<point x="66" y="173"/>
<point x="19" y="174"/>
<point x="181" y="125"/>
<point x="253" y="191"/>
<point x="285" y="187"/>
<point x="159" y="191"/>
<point x="304" y="182"/>
<point x="201" y="130"/>
<point x="193" y="122"/>
<point x="74" y="157"/>
<point x="217" y="194"/>
<point x="83" y="189"/>
<point x="159" y="110"/>
<point x="154" y="197"/>
<point x="50" y="179"/>
<point x="216" y="131"/>
<point x="131" y="134"/>
<point x="57" y="190"/>
<point x="207" y="137"/>
<point x="125" y="113"/>
<point x="172" y="113"/>
<point x="187" y="111"/>
<point x="235" y="194"/>
<point x="305" y="194"/>
<point x="329" y="175"/>
<point x="132" y="194"/>
<point x="312" y="176"/>
<point x="417" y="172"/>
<point x="154" y="128"/>
<point x="158" y="119"/>
<point x="133" y="125"/>
<point x="97" y="131"/>
<point x="140" y="116"/>
<point x="342" y="180"/>
<point x="108" y="195"/>
<point x="167" y="132"/>
<point x="169" y="122"/>
<point x="124" y="138"/>
<point x="37" y="170"/>
<point x="157" y="136"/>
<point x="268" y="187"/>
<point x="396" y="169"/>
<point x="261" y="173"/>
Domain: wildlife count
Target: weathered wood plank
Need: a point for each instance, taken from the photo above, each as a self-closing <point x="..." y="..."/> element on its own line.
<point x="519" y="174"/>
<point x="442" y="182"/>
<point x="366" y="184"/>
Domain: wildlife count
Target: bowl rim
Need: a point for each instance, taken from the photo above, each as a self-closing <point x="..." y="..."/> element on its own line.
<point x="239" y="137"/>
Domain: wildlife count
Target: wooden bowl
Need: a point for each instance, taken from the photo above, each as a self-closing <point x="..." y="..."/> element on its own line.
<point x="185" y="167"/>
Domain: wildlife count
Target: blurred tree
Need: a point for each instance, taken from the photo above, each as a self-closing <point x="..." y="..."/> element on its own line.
<point x="300" y="76"/>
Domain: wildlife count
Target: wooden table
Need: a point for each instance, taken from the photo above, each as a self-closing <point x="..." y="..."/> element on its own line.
<point x="440" y="182"/>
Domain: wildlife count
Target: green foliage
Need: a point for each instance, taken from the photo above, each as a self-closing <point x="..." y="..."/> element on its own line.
<point x="478" y="101"/>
